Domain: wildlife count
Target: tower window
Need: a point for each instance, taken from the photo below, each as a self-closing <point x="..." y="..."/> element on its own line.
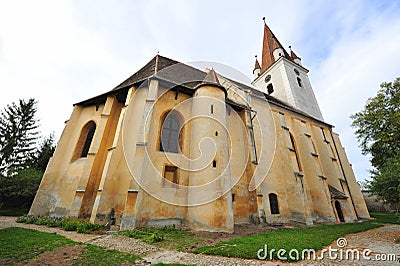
<point x="212" y="108"/>
<point x="214" y="164"/>
<point x="273" y="203"/>
<point x="171" y="174"/>
<point x="270" y="88"/>
<point x="84" y="141"/>
<point x="299" y="82"/>
<point x="267" y="78"/>
<point x="169" y="141"/>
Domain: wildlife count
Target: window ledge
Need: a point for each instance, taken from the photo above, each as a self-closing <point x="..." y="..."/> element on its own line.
<point x="141" y="144"/>
<point x="298" y="174"/>
<point x="314" y="154"/>
<point x="307" y="134"/>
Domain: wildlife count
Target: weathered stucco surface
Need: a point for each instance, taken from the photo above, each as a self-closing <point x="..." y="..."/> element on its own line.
<point x="302" y="158"/>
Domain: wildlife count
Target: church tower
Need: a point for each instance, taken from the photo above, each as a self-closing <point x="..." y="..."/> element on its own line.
<point x="282" y="76"/>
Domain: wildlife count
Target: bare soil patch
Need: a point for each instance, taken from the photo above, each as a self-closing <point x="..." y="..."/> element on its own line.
<point x="241" y="230"/>
<point x="60" y="257"/>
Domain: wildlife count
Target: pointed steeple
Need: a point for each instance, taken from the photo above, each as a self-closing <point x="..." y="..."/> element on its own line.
<point x="270" y="44"/>
<point x="211" y="77"/>
<point x="294" y="56"/>
<point x="256" y="65"/>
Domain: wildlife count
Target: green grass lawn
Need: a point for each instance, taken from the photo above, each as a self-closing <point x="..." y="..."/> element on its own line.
<point x="383" y="217"/>
<point x="301" y="238"/>
<point x="95" y="255"/>
<point x="20" y="244"/>
<point x="168" y="237"/>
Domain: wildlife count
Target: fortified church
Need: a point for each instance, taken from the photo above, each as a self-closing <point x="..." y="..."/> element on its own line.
<point x="173" y="144"/>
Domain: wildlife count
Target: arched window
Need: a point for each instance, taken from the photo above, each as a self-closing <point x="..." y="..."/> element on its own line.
<point x="299" y="82"/>
<point x="270" y="88"/>
<point x="293" y="149"/>
<point x="84" y="141"/>
<point x="171" y="125"/>
<point x="273" y="203"/>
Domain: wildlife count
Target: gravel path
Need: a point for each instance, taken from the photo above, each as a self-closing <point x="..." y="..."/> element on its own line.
<point x="379" y="241"/>
<point x="125" y="244"/>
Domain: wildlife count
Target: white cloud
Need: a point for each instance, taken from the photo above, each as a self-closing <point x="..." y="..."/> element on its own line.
<point x="361" y="58"/>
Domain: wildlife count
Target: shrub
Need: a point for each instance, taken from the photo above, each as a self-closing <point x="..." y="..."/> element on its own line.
<point x="86" y="227"/>
<point x="70" y="225"/>
<point x="153" y="238"/>
<point x="148" y="235"/>
<point x="22" y="219"/>
<point x="41" y="221"/>
<point x="56" y="222"/>
<point x="30" y="220"/>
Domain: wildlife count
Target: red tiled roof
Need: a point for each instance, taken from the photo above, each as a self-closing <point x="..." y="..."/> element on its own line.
<point x="270" y="43"/>
<point x="211" y="77"/>
<point x="256" y="65"/>
<point x="293" y="55"/>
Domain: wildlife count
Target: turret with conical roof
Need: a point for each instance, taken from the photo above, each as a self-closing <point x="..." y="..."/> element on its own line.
<point x="257" y="69"/>
<point x="283" y="76"/>
<point x="210" y="174"/>
<point x="294" y="56"/>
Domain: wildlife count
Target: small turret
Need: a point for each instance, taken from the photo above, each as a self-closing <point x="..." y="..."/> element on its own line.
<point x="294" y="56"/>
<point x="277" y="50"/>
<point x="257" y="69"/>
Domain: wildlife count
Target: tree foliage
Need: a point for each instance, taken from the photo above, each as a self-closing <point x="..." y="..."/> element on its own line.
<point x="20" y="189"/>
<point x="385" y="182"/>
<point x="18" y="135"/>
<point x="378" y="125"/>
<point x="378" y="131"/>
<point x="23" y="159"/>
<point x="43" y="153"/>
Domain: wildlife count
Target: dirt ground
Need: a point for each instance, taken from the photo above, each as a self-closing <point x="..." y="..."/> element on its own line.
<point x="61" y="257"/>
<point x="240" y="230"/>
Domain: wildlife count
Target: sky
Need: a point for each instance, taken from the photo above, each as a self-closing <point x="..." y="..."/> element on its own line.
<point x="62" y="52"/>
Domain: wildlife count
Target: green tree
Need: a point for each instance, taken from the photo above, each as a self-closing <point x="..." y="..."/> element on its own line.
<point x="385" y="182"/>
<point x="18" y="136"/>
<point x="43" y="153"/>
<point x="21" y="188"/>
<point x="378" y="131"/>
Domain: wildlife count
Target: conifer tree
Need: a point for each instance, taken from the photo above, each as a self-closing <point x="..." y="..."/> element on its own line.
<point x="18" y="136"/>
